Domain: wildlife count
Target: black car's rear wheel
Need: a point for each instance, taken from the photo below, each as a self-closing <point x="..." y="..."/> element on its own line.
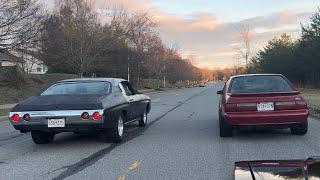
<point x="301" y="129"/>
<point x="144" y="119"/>
<point x="225" y="129"/>
<point x="41" y="137"/>
<point x="116" y="133"/>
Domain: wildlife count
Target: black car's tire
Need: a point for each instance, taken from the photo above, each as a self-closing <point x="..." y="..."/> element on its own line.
<point x="144" y="119"/>
<point x="41" y="137"/>
<point x="301" y="129"/>
<point x="116" y="133"/>
<point x="225" y="129"/>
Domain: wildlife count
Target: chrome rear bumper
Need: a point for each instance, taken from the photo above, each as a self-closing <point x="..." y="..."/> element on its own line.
<point x="73" y="121"/>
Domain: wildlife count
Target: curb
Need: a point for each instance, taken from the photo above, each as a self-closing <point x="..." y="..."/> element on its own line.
<point x="7" y="106"/>
<point x="147" y="90"/>
<point x="3" y="118"/>
<point x="155" y="90"/>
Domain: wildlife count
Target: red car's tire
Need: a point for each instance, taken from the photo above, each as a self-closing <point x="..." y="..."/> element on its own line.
<point x="225" y="129"/>
<point x="301" y="129"/>
<point x="41" y="137"/>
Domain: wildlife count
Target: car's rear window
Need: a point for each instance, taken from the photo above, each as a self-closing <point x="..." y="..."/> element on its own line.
<point x="78" y="88"/>
<point x="279" y="173"/>
<point x="260" y="84"/>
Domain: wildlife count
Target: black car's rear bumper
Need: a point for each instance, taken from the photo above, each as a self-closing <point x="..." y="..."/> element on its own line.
<point x="67" y="128"/>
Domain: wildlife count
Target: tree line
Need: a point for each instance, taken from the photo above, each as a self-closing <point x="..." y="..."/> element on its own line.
<point x="298" y="60"/>
<point x="75" y="38"/>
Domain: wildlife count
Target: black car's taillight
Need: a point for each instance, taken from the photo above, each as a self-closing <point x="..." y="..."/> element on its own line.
<point x="96" y="116"/>
<point x="85" y="116"/>
<point x="26" y="117"/>
<point x="15" y="117"/>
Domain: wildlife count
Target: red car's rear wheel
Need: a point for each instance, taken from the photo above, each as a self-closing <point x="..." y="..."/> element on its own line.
<point x="225" y="129"/>
<point x="301" y="129"/>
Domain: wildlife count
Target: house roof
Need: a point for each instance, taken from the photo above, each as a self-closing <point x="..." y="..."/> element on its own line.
<point x="6" y="56"/>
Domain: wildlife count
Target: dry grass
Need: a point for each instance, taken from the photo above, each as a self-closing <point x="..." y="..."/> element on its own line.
<point x="313" y="98"/>
<point x="4" y="112"/>
<point x="13" y="94"/>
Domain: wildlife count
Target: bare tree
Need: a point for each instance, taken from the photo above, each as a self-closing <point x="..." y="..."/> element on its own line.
<point x="156" y="55"/>
<point x="20" y="22"/>
<point x="75" y="40"/>
<point x="81" y="29"/>
<point x="136" y="28"/>
<point x="244" y="48"/>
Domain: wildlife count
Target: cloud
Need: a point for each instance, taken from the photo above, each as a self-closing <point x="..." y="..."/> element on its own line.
<point x="214" y="41"/>
<point x="211" y="40"/>
<point x="276" y="19"/>
<point x="197" y="21"/>
<point x="135" y="5"/>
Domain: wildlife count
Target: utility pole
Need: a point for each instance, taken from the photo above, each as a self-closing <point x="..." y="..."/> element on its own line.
<point x="128" y="65"/>
<point x="164" y="76"/>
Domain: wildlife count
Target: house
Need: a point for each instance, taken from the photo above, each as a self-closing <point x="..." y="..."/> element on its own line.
<point x="32" y="64"/>
<point x="7" y="59"/>
<point x="27" y="61"/>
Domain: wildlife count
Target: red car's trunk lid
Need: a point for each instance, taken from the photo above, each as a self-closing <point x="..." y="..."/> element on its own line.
<point x="265" y="94"/>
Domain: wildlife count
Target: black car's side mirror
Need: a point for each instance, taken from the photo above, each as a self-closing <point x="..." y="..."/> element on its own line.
<point x="219" y="92"/>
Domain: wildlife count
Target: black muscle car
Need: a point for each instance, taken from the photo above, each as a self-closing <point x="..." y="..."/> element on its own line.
<point x="81" y="105"/>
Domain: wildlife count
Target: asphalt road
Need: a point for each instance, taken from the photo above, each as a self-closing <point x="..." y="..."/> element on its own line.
<point x="181" y="141"/>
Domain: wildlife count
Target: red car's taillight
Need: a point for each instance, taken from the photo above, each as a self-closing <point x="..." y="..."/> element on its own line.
<point x="15" y="117"/>
<point x="283" y="105"/>
<point x="231" y="107"/>
<point x="96" y="116"/>
<point x="302" y="103"/>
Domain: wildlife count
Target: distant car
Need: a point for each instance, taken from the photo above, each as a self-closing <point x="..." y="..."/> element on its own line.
<point x="278" y="169"/>
<point x="202" y="85"/>
<point x="102" y="105"/>
<point x="261" y="100"/>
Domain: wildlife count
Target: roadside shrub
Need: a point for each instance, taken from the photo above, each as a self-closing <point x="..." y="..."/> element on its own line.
<point x="13" y="76"/>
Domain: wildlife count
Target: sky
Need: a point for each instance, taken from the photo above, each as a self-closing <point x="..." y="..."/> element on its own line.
<point x="209" y="29"/>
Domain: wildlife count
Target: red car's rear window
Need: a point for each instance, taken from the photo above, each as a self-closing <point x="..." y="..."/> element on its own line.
<point x="260" y="84"/>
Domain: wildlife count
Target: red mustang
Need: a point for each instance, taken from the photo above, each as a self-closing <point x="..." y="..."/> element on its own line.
<point x="261" y="100"/>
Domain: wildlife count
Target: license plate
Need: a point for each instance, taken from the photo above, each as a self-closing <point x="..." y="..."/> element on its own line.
<point x="268" y="106"/>
<point x="56" y="122"/>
